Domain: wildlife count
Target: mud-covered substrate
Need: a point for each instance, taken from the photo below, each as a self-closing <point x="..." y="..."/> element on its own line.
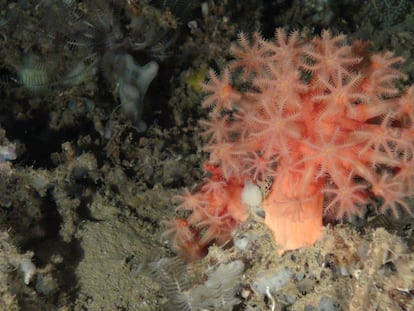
<point x="83" y="194"/>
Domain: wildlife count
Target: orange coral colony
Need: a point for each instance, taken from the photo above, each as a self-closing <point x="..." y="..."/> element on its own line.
<point x="322" y="120"/>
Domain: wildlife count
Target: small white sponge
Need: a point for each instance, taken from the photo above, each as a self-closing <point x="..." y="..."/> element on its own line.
<point x="251" y="194"/>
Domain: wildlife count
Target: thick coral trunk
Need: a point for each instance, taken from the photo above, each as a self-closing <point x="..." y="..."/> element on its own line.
<point x="294" y="213"/>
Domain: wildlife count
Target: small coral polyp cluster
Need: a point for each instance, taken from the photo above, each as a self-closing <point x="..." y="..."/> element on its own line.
<point x="322" y="119"/>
